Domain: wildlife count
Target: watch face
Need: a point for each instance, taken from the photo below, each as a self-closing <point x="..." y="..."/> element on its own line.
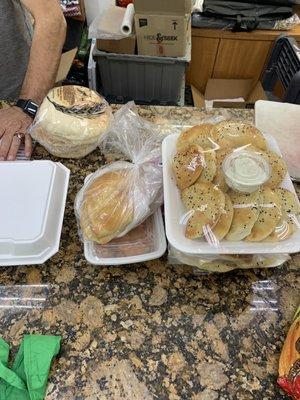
<point x="31" y="108"/>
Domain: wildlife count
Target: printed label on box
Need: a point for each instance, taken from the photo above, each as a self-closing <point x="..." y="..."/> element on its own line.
<point x="162" y="35"/>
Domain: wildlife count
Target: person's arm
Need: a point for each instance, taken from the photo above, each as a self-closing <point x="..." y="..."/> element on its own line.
<point x="48" y="39"/>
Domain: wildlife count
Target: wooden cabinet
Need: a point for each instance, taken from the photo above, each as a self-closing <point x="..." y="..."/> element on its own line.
<point x="224" y="54"/>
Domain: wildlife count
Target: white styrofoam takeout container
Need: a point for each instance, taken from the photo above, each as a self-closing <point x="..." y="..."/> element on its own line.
<point x="174" y="211"/>
<point x="152" y="235"/>
<point x="32" y="204"/>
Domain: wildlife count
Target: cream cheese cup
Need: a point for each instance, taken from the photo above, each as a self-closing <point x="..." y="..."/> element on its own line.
<point x="245" y="170"/>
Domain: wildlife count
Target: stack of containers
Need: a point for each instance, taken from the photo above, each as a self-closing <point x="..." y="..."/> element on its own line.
<point x="207" y="253"/>
<point x="156" y="74"/>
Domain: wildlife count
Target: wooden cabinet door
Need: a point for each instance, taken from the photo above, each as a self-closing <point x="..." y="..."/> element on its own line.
<point x="241" y="58"/>
<point x="204" y="53"/>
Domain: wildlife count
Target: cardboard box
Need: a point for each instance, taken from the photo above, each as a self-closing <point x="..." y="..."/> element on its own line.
<point x="163" y="28"/>
<point x="123" y="46"/>
<point x="229" y="93"/>
<point x="65" y="65"/>
<point x="163" y="35"/>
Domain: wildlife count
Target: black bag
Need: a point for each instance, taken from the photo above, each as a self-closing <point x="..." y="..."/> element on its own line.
<point x="245" y="16"/>
<point x="273" y="2"/>
<point x="201" y="21"/>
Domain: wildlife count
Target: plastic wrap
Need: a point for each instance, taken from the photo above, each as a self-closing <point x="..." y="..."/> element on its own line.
<point x="121" y="195"/>
<point x="225" y="262"/>
<point x="71" y="121"/>
<point x="227" y="191"/>
<point x="108" y="25"/>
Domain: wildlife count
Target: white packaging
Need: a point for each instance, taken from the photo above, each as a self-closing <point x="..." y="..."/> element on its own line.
<point x="284" y="126"/>
<point x="92" y="65"/>
<point x="32" y="204"/>
<point x="94" y="7"/>
<point x="127" y="23"/>
<point x="107" y="25"/>
<point x="174" y="211"/>
<point x="147" y="243"/>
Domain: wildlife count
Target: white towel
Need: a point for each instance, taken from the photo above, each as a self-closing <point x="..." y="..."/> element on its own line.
<point x="198" y="6"/>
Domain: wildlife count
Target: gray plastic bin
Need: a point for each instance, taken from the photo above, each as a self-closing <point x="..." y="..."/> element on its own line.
<point x="141" y="78"/>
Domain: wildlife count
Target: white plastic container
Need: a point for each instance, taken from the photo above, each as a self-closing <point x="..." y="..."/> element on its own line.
<point x="174" y="210"/>
<point x="32" y="204"/>
<point x="145" y="242"/>
<point x="245" y="170"/>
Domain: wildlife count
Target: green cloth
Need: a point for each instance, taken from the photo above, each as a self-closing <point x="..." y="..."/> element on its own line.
<point x="27" y="379"/>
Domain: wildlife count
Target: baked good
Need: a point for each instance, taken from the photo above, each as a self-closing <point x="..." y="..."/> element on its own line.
<point x="199" y="134"/>
<point x="269" y="215"/>
<point x="219" y="178"/>
<point x="233" y="134"/>
<point x="218" y="212"/>
<point x="217" y="266"/>
<point x="70" y="121"/>
<point x="278" y="169"/>
<point x="188" y="165"/>
<point x="209" y="168"/>
<point x="223" y="225"/>
<point x="107" y="207"/>
<point x="205" y="203"/>
<point x="287" y="224"/>
<point x="245" y="214"/>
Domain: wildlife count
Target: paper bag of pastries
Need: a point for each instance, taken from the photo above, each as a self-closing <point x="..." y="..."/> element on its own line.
<point x="121" y="195"/>
<point x="230" y="185"/>
<point x="71" y="121"/>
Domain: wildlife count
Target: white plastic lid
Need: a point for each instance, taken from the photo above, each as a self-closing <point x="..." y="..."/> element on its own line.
<point x="32" y="203"/>
<point x="245" y="170"/>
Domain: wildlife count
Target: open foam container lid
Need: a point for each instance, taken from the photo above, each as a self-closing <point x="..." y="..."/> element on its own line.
<point x="32" y="204"/>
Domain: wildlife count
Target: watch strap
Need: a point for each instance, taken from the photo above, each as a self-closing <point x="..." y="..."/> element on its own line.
<point x="21" y="103"/>
<point x="28" y="106"/>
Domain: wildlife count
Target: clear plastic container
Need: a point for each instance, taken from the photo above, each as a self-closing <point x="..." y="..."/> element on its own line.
<point x="245" y="171"/>
<point x="146" y="242"/>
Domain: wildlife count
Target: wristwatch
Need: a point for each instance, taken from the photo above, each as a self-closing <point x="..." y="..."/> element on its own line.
<point x="28" y="106"/>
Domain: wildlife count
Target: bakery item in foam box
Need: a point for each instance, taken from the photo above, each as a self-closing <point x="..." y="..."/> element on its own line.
<point x="71" y="121"/>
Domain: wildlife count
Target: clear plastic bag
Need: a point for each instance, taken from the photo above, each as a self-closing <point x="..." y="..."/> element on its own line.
<point x="227" y="191"/>
<point x="71" y="121"/>
<point x="225" y="262"/>
<point x="121" y="195"/>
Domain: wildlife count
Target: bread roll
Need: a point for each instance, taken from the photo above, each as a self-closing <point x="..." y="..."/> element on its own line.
<point x="107" y="207"/>
<point x="188" y="165"/>
<point x="199" y="134"/>
<point x="205" y="203"/>
<point x="233" y="134"/>
<point x="70" y="121"/>
<point x="245" y="214"/>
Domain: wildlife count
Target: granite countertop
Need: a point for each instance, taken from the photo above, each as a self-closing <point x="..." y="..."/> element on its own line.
<point x="151" y="331"/>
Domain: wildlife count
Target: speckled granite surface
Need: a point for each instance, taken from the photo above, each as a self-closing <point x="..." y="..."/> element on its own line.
<point x="151" y="331"/>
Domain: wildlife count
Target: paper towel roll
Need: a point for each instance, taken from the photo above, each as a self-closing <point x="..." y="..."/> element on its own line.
<point x="127" y="23"/>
